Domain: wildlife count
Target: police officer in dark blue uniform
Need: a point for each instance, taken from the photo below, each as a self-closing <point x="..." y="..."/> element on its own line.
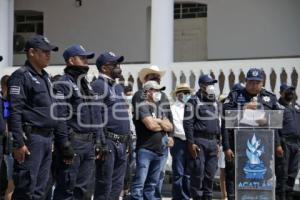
<point x="202" y="130"/>
<point x="110" y="172"/>
<point x="31" y="120"/>
<point x="253" y="96"/>
<point x="2" y="128"/>
<point x="287" y="165"/>
<point x="83" y="125"/>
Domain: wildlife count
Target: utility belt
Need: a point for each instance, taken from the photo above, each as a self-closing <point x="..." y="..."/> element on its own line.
<point x="117" y="137"/>
<point x="86" y="137"/>
<point x="45" y="132"/>
<point x="291" y="139"/>
<point x="208" y="136"/>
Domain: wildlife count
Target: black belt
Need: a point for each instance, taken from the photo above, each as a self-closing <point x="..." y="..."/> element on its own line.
<point x="87" y="137"/>
<point x="208" y="136"/>
<point x="45" y="132"/>
<point x="117" y="137"/>
<point x="294" y="139"/>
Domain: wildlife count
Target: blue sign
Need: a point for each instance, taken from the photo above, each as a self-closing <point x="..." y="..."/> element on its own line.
<point x="254" y="164"/>
<point x="254" y="168"/>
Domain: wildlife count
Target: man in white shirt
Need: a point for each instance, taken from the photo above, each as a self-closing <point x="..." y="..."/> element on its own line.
<point x="180" y="185"/>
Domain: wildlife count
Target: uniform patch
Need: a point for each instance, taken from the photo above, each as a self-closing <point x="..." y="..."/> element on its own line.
<point x="266" y="99"/>
<point x="14" y="90"/>
<point x="241" y="99"/>
<point x="34" y="79"/>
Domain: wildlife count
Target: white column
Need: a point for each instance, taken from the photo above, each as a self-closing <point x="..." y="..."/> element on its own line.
<point x="161" y="50"/>
<point x="6" y="33"/>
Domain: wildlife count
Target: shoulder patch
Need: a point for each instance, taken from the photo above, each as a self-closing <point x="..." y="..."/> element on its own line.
<point x="14" y="90"/>
<point x="268" y="93"/>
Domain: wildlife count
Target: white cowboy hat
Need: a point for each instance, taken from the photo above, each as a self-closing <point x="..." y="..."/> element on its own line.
<point x="150" y="70"/>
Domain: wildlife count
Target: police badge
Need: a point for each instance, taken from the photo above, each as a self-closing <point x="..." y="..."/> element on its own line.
<point x="255" y="73"/>
<point x="266" y="99"/>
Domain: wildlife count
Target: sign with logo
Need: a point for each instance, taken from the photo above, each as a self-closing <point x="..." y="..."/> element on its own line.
<point x="255" y="174"/>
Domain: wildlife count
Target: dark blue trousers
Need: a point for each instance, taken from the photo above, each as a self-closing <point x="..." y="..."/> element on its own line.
<point x="31" y="176"/>
<point x="72" y="180"/>
<point x="286" y="168"/>
<point x="110" y="173"/>
<point x="181" y="180"/>
<point x="203" y="168"/>
<point x="230" y="172"/>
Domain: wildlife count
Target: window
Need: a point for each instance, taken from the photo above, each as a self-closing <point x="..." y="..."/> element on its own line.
<point x="189" y="10"/>
<point x="27" y="24"/>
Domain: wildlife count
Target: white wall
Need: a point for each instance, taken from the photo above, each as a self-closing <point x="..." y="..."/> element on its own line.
<point x="236" y="28"/>
<point x="253" y="28"/>
<point x="99" y="25"/>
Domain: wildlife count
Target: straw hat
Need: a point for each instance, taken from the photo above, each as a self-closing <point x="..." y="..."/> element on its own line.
<point x="182" y="87"/>
<point x="150" y="70"/>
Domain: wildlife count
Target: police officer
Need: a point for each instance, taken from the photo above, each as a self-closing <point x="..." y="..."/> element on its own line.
<point x="31" y="121"/>
<point x="202" y="131"/>
<point x="83" y="125"/>
<point x="2" y="128"/>
<point x="110" y="172"/>
<point x="287" y="165"/>
<point x="253" y="96"/>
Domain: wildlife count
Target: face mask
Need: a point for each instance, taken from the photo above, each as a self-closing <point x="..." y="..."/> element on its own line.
<point x="128" y="99"/>
<point x="156" y="96"/>
<point x="289" y="96"/>
<point x="210" y="91"/>
<point x="186" y="97"/>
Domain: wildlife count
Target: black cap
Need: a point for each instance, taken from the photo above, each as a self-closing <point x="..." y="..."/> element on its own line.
<point x="255" y="74"/>
<point x="206" y="79"/>
<point x="40" y="42"/>
<point x="108" y="57"/>
<point x="77" y="50"/>
<point x="284" y="87"/>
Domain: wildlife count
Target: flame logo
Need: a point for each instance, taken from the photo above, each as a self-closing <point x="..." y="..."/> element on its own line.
<point x="253" y="152"/>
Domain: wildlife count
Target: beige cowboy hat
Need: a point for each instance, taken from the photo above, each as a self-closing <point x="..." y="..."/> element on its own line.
<point x="150" y="70"/>
<point x="182" y="87"/>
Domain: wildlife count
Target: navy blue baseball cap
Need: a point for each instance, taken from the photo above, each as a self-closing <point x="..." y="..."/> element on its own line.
<point x="1" y="58"/>
<point x="206" y="79"/>
<point x="284" y="87"/>
<point x="77" y="50"/>
<point x="107" y="58"/>
<point x="255" y="74"/>
<point x="238" y="86"/>
<point x="40" y="42"/>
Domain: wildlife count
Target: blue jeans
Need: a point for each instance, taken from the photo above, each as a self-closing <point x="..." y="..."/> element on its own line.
<point x="148" y="168"/>
<point x="180" y="179"/>
<point x="163" y="163"/>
